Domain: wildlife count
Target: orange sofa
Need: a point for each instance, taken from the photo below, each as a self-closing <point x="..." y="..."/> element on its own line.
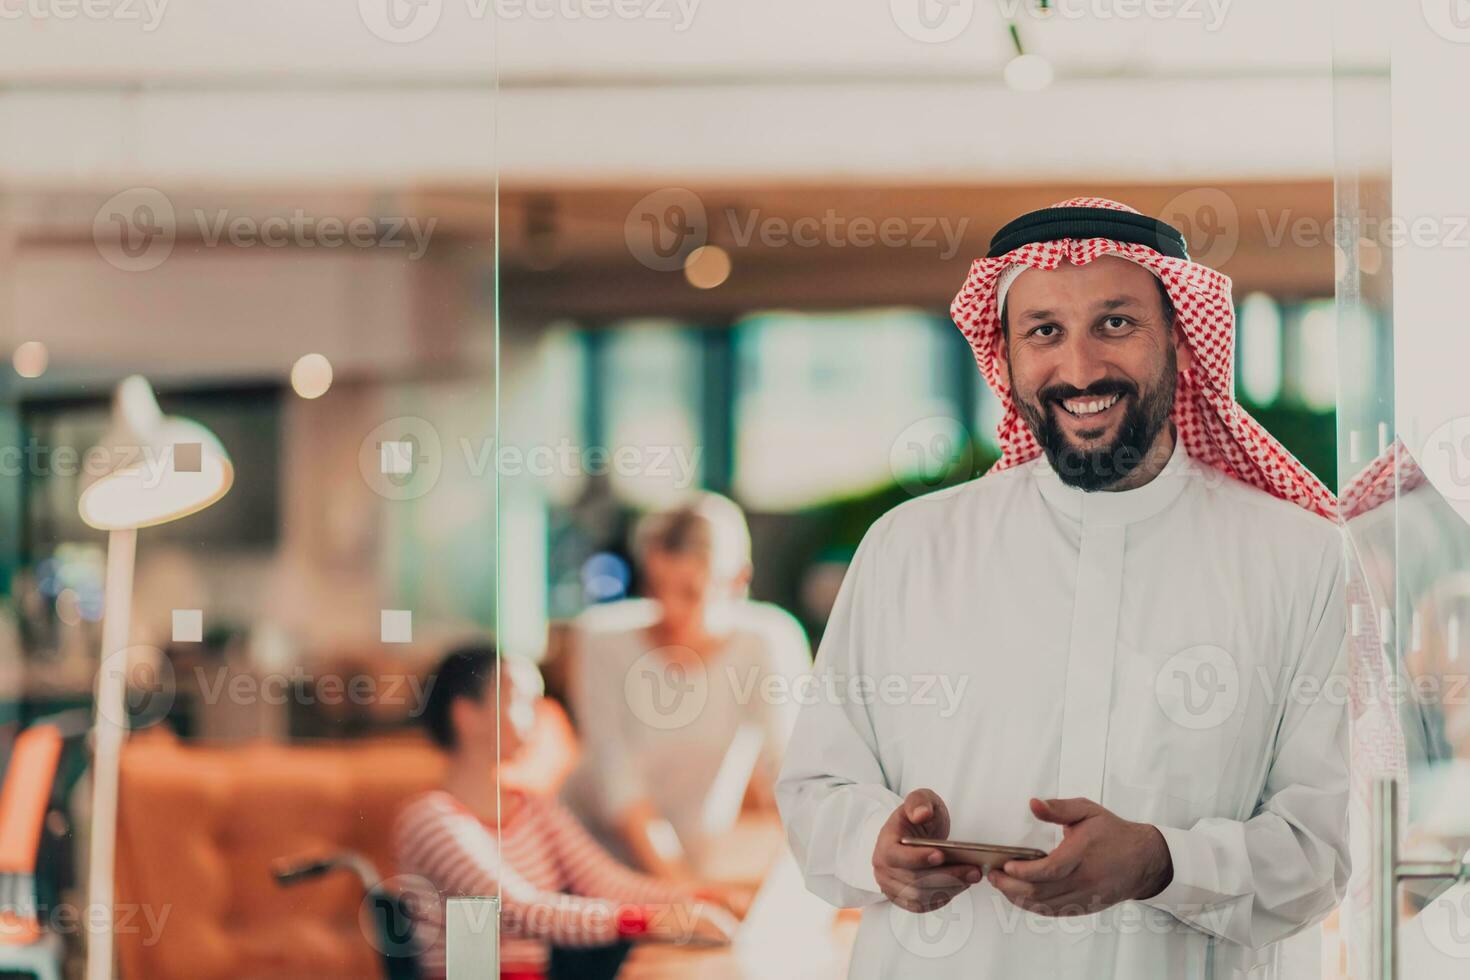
<point x="199" y="827"/>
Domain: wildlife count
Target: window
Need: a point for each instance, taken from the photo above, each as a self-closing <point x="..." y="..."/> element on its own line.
<point x="1314" y="360"/>
<point x="823" y="402"/>
<point x="652" y="372"/>
<point x="1259" y="355"/>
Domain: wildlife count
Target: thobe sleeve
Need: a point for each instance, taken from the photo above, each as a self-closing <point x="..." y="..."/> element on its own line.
<point x="1257" y="881"/>
<point x="832" y="792"/>
<point x="789" y="657"/>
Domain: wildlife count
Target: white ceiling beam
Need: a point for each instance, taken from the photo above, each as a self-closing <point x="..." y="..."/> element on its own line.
<point x="1104" y="130"/>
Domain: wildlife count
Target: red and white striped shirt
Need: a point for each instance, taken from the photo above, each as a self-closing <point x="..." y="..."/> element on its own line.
<point x="557" y="885"/>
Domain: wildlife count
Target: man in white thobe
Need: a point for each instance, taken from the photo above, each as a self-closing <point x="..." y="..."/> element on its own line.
<point x="1143" y="605"/>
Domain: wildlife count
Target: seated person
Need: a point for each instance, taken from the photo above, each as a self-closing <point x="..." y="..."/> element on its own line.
<point x="683" y="700"/>
<point x="557" y="887"/>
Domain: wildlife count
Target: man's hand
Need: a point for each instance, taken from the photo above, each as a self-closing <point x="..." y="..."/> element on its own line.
<point x="1101" y="861"/>
<point x="916" y="878"/>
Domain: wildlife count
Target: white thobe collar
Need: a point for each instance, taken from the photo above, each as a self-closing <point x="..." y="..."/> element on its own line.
<point x="1103" y="518"/>
<point x="1116" y="506"/>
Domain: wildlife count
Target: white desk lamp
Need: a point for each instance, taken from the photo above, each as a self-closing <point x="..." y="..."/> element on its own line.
<point x="156" y="469"/>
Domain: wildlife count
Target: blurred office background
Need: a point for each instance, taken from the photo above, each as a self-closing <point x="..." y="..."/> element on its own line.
<point x="600" y="261"/>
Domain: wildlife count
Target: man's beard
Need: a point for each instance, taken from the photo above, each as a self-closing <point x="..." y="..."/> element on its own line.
<point x="1100" y="468"/>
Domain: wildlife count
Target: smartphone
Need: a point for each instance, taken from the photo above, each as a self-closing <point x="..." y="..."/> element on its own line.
<point x="981" y="855"/>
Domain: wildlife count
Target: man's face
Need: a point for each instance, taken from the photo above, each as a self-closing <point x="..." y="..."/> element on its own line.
<point x="1093" y="365"/>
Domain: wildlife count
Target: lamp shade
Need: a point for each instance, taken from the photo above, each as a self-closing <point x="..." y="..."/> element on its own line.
<point x="151" y="468"/>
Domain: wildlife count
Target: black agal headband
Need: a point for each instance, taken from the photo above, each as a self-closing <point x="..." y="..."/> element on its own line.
<point x="1053" y="224"/>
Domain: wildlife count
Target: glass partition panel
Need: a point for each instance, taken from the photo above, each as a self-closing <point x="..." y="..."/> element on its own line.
<point x="1402" y="453"/>
<point x="247" y="301"/>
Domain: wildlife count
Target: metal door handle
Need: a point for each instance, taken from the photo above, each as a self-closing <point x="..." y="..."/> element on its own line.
<point x="1388" y="871"/>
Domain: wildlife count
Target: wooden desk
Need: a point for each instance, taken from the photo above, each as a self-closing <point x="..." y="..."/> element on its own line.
<point x="789" y="932"/>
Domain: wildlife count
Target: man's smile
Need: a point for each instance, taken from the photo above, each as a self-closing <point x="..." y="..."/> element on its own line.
<point x="1091" y="416"/>
<point x="1083" y="407"/>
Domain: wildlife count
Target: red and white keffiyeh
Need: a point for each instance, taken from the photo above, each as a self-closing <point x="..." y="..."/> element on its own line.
<point x="1214" y="428"/>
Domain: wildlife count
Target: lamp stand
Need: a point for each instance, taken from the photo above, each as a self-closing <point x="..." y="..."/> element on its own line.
<point x="109" y="731"/>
